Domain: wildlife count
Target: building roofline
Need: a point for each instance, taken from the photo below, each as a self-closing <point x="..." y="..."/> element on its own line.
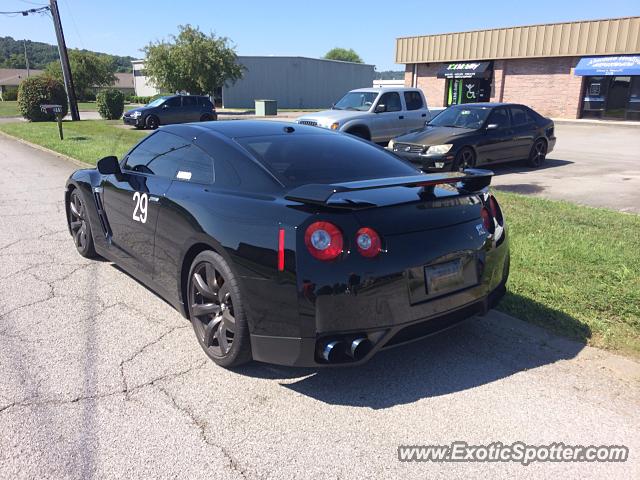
<point x="527" y="25"/>
<point x="287" y="56"/>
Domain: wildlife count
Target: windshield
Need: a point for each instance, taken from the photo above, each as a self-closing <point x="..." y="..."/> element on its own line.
<point x="157" y="102"/>
<point x="360" y="101"/>
<point x="300" y="159"/>
<point x="461" y="117"/>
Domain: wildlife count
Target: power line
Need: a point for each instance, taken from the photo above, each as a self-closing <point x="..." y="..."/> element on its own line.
<point x="29" y="11"/>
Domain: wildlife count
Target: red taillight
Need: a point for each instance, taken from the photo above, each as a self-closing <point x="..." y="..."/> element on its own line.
<point x="495" y="210"/>
<point x="281" y="250"/>
<point x="487" y="220"/>
<point x="368" y="242"/>
<point x="323" y="240"/>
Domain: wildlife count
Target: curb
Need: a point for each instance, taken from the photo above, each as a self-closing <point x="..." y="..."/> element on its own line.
<point x="596" y="123"/>
<point x="75" y="161"/>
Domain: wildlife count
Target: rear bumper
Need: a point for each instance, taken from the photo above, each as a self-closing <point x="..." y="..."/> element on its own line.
<point x="303" y="352"/>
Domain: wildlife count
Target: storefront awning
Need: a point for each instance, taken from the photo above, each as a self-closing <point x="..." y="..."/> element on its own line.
<point x="621" y="65"/>
<point x="466" y="70"/>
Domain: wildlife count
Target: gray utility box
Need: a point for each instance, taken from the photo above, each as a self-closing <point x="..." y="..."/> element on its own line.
<point x="266" y="107"/>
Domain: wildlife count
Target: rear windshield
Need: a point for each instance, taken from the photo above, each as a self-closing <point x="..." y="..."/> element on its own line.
<point x="299" y="159"/>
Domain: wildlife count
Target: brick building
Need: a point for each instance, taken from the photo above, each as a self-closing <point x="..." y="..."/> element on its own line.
<point x="588" y="69"/>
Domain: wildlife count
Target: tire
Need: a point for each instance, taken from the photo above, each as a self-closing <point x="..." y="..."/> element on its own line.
<point x="152" y="122"/>
<point x="465" y="158"/>
<point x="538" y="154"/>
<point x="360" y="133"/>
<point x="206" y="118"/>
<point x="217" y="312"/>
<point x="79" y="225"/>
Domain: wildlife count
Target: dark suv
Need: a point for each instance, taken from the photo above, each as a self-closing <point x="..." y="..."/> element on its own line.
<point x="171" y="109"/>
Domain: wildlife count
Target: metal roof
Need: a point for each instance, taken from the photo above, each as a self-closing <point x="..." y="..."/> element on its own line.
<point x="612" y="36"/>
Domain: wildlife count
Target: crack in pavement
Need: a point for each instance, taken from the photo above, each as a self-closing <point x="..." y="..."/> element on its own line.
<point x="201" y="425"/>
<point x="142" y="349"/>
<point x="98" y="396"/>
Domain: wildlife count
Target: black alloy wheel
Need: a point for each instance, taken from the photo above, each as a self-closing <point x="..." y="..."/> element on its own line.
<point x="466" y="158"/>
<point x="79" y="226"/>
<point x="216" y="313"/>
<point x="152" y="122"/>
<point x="538" y="153"/>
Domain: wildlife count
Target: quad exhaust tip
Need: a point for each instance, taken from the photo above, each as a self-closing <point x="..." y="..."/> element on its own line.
<point x="332" y="351"/>
<point x="339" y="351"/>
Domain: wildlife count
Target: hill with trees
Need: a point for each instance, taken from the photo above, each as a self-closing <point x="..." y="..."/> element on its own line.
<point x="41" y="54"/>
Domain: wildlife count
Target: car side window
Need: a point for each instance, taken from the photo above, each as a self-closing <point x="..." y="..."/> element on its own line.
<point x="189" y="101"/>
<point x="413" y="100"/>
<point x="152" y="155"/>
<point x="519" y="117"/>
<point x="173" y="101"/>
<point x="392" y="101"/>
<point x="500" y="117"/>
<point x="195" y="166"/>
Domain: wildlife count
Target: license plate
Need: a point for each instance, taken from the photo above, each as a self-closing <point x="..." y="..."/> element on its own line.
<point x="444" y="277"/>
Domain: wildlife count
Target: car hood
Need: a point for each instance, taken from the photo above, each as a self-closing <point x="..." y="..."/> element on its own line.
<point x="139" y="109"/>
<point x="327" y="117"/>
<point x="432" y="135"/>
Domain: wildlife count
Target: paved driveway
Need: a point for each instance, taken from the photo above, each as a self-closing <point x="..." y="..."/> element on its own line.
<point x="595" y="165"/>
<point x="100" y="378"/>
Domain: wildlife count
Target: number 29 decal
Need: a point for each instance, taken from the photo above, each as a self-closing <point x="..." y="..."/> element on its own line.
<point x="140" y="210"/>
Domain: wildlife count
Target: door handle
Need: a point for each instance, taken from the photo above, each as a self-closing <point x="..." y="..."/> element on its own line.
<point x="401" y="117"/>
<point x="423" y="115"/>
<point x="153" y="198"/>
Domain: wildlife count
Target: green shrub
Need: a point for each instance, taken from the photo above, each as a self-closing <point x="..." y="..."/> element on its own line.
<point x="10" y="94"/>
<point x="40" y="90"/>
<point x="110" y="103"/>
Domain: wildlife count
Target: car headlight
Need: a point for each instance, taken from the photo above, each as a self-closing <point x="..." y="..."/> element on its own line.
<point x="438" y="149"/>
<point x="390" y="144"/>
<point x="335" y="126"/>
<point x="136" y="114"/>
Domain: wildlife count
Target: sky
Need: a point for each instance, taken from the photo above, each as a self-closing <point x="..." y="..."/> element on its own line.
<point x="304" y="28"/>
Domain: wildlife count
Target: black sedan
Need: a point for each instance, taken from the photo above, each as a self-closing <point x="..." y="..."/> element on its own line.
<point x="470" y="135"/>
<point x="291" y="244"/>
<point x="171" y="109"/>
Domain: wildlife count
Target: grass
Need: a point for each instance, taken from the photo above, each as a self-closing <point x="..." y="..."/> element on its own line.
<point x="9" y="109"/>
<point x="88" y="140"/>
<point x="575" y="270"/>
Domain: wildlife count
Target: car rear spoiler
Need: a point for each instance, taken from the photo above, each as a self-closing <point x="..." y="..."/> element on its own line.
<point x="468" y="181"/>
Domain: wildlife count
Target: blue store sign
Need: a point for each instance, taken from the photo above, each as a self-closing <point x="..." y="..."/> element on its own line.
<point x="621" y="65"/>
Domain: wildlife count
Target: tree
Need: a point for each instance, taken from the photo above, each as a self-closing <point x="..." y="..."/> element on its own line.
<point x="344" y="55"/>
<point x="192" y="61"/>
<point x="88" y="70"/>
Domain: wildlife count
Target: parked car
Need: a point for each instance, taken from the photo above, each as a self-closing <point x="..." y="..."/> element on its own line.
<point x="291" y="244"/>
<point x="171" y="109"/>
<point x="476" y="134"/>
<point x="376" y="114"/>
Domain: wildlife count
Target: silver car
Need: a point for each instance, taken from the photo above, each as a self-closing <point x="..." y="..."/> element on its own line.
<point x="376" y="114"/>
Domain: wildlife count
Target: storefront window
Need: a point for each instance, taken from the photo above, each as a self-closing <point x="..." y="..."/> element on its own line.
<point x="468" y="90"/>
<point x="611" y="97"/>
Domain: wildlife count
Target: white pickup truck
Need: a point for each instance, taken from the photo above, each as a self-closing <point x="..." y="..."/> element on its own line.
<point x="376" y="114"/>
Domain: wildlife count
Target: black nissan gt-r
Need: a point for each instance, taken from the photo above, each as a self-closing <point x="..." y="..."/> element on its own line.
<point x="291" y="244"/>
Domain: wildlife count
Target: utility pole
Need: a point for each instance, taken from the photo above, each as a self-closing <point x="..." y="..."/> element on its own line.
<point x="26" y="58"/>
<point x="64" y="60"/>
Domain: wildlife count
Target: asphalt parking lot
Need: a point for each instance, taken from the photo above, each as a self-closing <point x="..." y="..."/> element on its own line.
<point x="596" y="165"/>
<point x="101" y="378"/>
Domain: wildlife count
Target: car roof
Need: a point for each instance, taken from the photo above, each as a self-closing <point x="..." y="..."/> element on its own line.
<point x="244" y="128"/>
<point x="488" y="104"/>
<point x="385" y="89"/>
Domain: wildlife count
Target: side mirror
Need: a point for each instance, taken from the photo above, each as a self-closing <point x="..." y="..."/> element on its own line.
<point x="109" y="166"/>
<point x="381" y="107"/>
<point x="164" y="105"/>
<point x="492" y="126"/>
